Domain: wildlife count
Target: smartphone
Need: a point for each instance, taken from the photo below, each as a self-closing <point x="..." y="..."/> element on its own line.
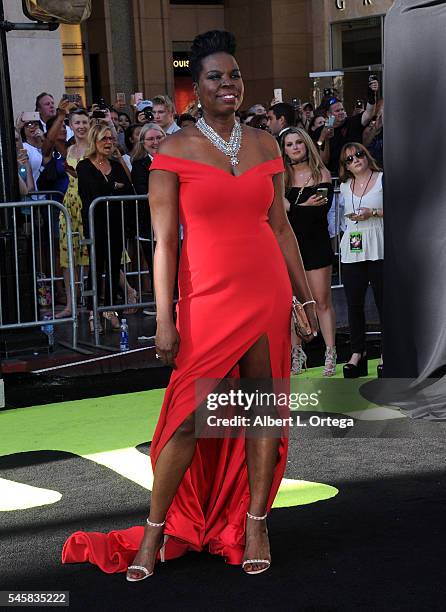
<point x="359" y="104"/>
<point x="372" y="77"/>
<point x="138" y="97"/>
<point x="98" y="114"/>
<point x="30" y="116"/>
<point x="349" y="215"/>
<point x="71" y="97"/>
<point x="329" y="122"/>
<point x="322" y="191"/>
<point x="120" y="98"/>
<point x="278" y="97"/>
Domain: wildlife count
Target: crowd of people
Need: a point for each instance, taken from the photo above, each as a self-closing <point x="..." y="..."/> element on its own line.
<point x="84" y="153"/>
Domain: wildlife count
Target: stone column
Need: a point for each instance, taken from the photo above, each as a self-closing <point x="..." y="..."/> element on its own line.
<point x="153" y="47"/>
<point x="292" y="47"/>
<point x="251" y="22"/>
<point x="274" y="46"/>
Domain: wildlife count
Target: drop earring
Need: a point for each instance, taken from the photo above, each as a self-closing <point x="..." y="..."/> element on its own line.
<point x="199" y="104"/>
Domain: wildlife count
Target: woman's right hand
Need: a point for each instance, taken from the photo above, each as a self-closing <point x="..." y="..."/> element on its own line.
<point x="22" y="157"/>
<point x="315" y="200"/>
<point x="66" y="106"/>
<point x="167" y="343"/>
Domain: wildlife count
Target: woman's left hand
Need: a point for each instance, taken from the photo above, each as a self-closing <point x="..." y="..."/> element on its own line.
<point x="310" y="311"/>
<point x="363" y="215"/>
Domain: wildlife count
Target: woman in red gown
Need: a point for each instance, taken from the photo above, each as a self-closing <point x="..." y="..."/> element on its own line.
<point x="233" y="318"/>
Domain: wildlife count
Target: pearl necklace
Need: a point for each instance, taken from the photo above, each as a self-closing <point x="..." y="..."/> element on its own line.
<point x="230" y="148"/>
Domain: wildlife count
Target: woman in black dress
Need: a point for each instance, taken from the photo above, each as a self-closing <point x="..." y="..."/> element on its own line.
<point x="100" y="176"/>
<point x="309" y="192"/>
<point x="150" y="137"/>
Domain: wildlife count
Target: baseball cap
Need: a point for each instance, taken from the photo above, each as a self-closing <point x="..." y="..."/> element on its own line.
<point x="144" y="104"/>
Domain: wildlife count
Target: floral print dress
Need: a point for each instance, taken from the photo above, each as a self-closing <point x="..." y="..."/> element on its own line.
<point x="73" y="204"/>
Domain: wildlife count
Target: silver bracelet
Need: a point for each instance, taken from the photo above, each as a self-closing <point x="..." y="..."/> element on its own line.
<point x="309" y="302"/>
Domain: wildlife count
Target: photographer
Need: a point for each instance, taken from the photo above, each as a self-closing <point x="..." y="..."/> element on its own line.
<point x="319" y="134"/>
<point x="349" y="129"/>
<point x="144" y="112"/>
<point x="373" y="135"/>
<point x="32" y="138"/>
<point x="26" y="181"/>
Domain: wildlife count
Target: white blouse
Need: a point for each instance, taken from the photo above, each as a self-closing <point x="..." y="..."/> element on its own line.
<point x="364" y="240"/>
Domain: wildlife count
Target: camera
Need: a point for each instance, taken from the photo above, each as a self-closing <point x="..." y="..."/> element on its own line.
<point x="372" y="77"/>
<point x="98" y="114"/>
<point x="296" y="102"/>
<point x="102" y="104"/>
<point x="148" y="114"/>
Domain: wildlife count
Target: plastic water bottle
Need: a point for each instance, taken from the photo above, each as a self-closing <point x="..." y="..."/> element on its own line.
<point x="124" y="343"/>
<point x="48" y="329"/>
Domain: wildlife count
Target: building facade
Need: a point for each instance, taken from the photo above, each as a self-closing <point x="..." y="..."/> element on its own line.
<point x="132" y="46"/>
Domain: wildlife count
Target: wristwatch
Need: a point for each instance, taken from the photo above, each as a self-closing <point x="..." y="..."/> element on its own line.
<point x="374" y="212"/>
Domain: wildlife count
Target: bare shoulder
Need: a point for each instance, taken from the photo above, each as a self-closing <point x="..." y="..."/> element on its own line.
<point x="326" y="176"/>
<point x="179" y="143"/>
<point x="263" y="139"/>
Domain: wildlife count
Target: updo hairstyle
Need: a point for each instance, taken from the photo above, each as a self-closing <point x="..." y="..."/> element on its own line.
<point x="214" y="41"/>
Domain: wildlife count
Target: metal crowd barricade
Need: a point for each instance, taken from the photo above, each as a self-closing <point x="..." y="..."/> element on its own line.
<point x="125" y="202"/>
<point x="41" y="276"/>
<point x="36" y="238"/>
<point x="338" y="233"/>
<point x="53" y="196"/>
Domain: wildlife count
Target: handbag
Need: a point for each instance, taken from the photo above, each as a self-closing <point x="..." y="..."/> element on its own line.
<point x="301" y="324"/>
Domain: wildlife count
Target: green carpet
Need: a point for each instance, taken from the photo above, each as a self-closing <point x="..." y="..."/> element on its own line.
<point x="107" y="430"/>
<point x="317" y="372"/>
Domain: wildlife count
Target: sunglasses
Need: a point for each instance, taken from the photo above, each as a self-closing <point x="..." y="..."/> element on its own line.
<point x="350" y="158"/>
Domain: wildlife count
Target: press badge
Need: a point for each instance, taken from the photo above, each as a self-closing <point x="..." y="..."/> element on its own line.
<point x="355" y="242"/>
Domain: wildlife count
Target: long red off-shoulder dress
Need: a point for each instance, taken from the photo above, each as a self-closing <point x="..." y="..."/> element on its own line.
<point x="233" y="289"/>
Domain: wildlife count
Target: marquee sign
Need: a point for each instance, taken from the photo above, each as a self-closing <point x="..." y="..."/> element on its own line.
<point x="180" y="63"/>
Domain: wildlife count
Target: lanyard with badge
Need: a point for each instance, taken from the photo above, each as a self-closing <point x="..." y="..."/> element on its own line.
<point x="355" y="238"/>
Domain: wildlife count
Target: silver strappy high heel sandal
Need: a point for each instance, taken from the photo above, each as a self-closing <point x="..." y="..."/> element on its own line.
<point x="330" y="361"/>
<point x="298" y="360"/>
<point x="141" y="568"/>
<point x="265" y="562"/>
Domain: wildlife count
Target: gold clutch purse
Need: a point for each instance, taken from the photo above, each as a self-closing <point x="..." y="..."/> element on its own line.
<point x="301" y="324"/>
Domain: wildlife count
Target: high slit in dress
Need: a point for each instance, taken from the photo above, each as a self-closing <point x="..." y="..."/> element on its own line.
<point x="234" y="288"/>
